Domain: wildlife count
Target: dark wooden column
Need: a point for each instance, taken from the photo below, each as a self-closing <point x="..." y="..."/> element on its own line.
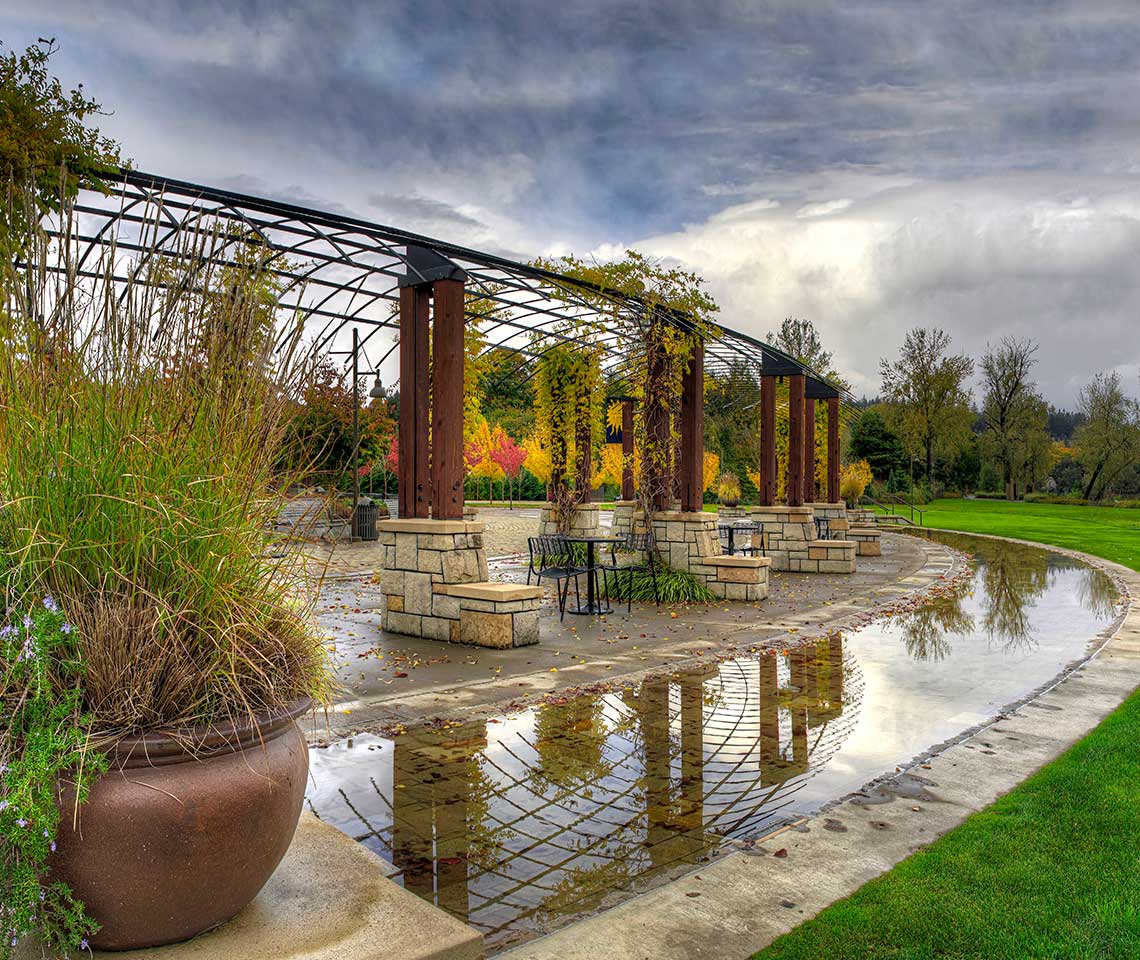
<point x="413" y="481"/>
<point x="585" y="461"/>
<point x="796" y="440"/>
<point x="809" y="450"/>
<point x="447" y="402"/>
<point x="833" y="450"/>
<point x="655" y="468"/>
<point x="693" y="431"/>
<point x="627" y="449"/>
<point x="767" y="441"/>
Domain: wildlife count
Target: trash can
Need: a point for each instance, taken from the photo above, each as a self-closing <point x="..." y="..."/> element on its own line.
<point x="364" y="520"/>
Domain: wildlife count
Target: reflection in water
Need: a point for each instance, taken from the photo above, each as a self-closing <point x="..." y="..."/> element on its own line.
<point x="516" y="825"/>
<point x="1000" y="597"/>
<point x="526" y="821"/>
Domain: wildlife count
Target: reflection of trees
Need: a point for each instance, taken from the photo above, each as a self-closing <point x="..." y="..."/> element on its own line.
<point x="1097" y="593"/>
<point x="570" y="740"/>
<point x="924" y="631"/>
<point x="1012" y="577"/>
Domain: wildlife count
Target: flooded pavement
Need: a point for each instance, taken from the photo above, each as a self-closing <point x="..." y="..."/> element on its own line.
<point x="524" y="822"/>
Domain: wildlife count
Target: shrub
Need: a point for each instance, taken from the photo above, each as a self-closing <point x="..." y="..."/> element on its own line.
<point x="673" y="586"/>
<point x="853" y="481"/>
<point x="989" y="495"/>
<point x="140" y="434"/>
<point x="728" y="488"/>
<point x="42" y="740"/>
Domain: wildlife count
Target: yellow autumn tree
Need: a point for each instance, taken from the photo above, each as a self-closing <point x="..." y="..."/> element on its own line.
<point x="711" y="469"/>
<point x="537" y="460"/>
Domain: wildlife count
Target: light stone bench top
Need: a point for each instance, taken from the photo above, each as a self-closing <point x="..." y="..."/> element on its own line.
<point x="489" y="590"/>
<point x="724" y="560"/>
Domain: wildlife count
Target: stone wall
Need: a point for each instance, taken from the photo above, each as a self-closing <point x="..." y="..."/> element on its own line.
<point x="584" y="520"/>
<point x="788" y="536"/>
<point x="836" y="516"/>
<point x="628" y="518"/>
<point x="434" y="580"/>
<point x="689" y="542"/>
<point x="868" y="539"/>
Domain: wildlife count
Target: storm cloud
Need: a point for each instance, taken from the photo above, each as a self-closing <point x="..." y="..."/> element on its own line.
<point x="871" y="166"/>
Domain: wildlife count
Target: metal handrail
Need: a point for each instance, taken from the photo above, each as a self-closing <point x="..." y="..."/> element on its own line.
<point x="893" y="500"/>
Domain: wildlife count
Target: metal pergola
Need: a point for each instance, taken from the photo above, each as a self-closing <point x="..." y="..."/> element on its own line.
<point x="342" y="272"/>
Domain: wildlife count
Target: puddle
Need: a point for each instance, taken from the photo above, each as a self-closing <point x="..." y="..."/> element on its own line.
<point x="525" y="822"/>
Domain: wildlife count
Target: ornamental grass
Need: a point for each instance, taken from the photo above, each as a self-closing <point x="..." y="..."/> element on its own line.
<point x="141" y="438"/>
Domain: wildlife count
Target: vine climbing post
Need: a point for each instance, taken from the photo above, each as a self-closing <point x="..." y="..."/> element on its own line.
<point x="767" y="440"/>
<point x="627" y="448"/>
<point x="809" y="450"/>
<point x="833" y="449"/>
<point x="691" y="467"/>
<point x="655" y="469"/>
<point x="796" y="440"/>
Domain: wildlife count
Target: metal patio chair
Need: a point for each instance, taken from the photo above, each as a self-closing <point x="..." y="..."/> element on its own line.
<point x="551" y="558"/>
<point x="632" y="543"/>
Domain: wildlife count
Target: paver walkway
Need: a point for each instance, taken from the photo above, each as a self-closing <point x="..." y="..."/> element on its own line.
<point x="389" y="679"/>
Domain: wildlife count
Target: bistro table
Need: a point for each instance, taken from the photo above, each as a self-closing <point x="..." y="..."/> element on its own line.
<point x="593" y="601"/>
<point x="746" y="526"/>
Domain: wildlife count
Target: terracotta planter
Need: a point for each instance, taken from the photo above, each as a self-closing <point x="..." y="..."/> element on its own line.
<point x="170" y="844"/>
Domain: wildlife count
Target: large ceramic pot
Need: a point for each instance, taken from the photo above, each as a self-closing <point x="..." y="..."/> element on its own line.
<point x="183" y="831"/>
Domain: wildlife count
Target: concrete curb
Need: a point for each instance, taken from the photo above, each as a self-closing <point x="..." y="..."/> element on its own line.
<point x="741" y="903"/>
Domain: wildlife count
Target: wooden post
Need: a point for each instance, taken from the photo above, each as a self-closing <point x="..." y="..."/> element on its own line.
<point x="413" y="480"/>
<point x="585" y="461"/>
<point x="833" y="450"/>
<point x="447" y="405"/>
<point x="627" y="449"/>
<point x="693" y="431"/>
<point x="796" y="440"/>
<point x="656" y="411"/>
<point x="809" y="450"/>
<point x="767" y="441"/>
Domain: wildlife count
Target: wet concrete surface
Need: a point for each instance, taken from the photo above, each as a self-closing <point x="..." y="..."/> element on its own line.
<point x="387" y="678"/>
<point x="519" y="823"/>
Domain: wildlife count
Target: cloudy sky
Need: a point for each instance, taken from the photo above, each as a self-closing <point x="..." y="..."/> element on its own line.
<point x="872" y="166"/>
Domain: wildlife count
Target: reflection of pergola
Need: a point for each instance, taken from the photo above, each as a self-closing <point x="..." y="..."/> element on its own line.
<point x="344" y="273"/>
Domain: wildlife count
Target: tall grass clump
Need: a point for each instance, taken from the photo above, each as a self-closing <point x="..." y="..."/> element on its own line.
<point x="141" y="430"/>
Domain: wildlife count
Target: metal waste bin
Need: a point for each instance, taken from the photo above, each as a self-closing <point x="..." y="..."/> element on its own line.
<point x="364" y="520"/>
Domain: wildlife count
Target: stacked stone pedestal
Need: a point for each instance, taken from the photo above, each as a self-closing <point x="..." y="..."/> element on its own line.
<point x="628" y="518"/>
<point x="836" y="516"/>
<point x="689" y="542"/>
<point x="584" y="520"/>
<point x="434" y="579"/>
<point x="788" y="536"/>
<point x="869" y="540"/>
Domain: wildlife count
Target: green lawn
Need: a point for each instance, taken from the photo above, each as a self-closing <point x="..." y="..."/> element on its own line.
<point x="1050" y="870"/>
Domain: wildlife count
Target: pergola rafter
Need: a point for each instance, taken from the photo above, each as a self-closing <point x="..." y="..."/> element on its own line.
<point x="341" y="272"/>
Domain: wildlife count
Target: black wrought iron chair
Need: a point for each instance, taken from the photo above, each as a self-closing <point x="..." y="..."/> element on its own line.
<point x="632" y="543"/>
<point x="822" y="528"/>
<point x="741" y="539"/>
<point x="551" y="558"/>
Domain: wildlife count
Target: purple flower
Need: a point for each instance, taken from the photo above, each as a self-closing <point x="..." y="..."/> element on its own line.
<point x="21" y="823"/>
<point x="27" y="621"/>
<point x="83" y="944"/>
<point x="53" y="846"/>
<point x="50" y="604"/>
<point x="65" y="628"/>
<point x="7" y="630"/>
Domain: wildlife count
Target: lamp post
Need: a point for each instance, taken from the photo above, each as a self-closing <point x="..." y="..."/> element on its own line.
<point x="376" y="392"/>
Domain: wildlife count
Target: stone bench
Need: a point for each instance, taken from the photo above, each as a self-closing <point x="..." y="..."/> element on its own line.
<point x="735" y="578"/>
<point x="868" y="539"/>
<point x="499" y="615"/>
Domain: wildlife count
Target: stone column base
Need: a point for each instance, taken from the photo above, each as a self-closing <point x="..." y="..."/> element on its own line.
<point x="628" y="518"/>
<point x="583" y="520"/>
<point x="689" y="542"/>
<point x="788" y="536"/>
<point x="731" y="513"/>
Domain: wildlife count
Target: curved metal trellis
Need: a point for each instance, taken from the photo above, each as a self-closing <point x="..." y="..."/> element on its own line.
<point x="341" y="272"/>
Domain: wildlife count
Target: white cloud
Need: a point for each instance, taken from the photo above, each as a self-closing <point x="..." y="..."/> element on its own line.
<point x="1031" y="256"/>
